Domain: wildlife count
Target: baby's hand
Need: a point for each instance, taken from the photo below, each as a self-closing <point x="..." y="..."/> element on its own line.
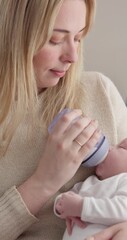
<point x="69" y="205"/>
<point x="70" y="221"/>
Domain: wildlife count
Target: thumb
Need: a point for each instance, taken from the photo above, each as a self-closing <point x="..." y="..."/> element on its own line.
<point x="106" y="234"/>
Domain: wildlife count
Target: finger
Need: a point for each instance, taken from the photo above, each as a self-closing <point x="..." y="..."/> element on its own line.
<point x="87" y="132"/>
<point x="86" y="148"/>
<point x="77" y="127"/>
<point x="64" y="121"/>
<point x="106" y="234"/>
<point x="79" y="222"/>
<point x="69" y="225"/>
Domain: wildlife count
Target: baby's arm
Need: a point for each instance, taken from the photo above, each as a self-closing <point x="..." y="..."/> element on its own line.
<point x="69" y="206"/>
<point x="111" y="207"/>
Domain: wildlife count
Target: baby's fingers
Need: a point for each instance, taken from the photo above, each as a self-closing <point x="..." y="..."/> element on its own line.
<point x="69" y="225"/>
<point x="79" y="222"/>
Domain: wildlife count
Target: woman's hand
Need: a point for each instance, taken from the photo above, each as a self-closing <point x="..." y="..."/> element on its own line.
<point x="63" y="155"/>
<point x="60" y="159"/>
<point x="115" y="232"/>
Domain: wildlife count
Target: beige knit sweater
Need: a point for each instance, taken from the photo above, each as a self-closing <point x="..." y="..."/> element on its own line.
<point x="104" y="103"/>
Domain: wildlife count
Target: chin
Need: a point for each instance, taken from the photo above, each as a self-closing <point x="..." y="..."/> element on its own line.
<point x="50" y="84"/>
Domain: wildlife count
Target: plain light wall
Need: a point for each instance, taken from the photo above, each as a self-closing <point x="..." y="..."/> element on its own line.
<point x="105" y="48"/>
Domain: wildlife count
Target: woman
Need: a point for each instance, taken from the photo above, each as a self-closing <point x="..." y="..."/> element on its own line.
<point x="40" y="74"/>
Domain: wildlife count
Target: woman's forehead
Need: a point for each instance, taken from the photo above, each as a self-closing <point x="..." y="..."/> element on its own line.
<point x="71" y="16"/>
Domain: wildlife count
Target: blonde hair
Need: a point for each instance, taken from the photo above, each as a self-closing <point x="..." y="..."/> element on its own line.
<point x="25" y="27"/>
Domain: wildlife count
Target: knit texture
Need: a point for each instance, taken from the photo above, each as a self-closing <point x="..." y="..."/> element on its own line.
<point x="13" y="210"/>
<point x="103" y="103"/>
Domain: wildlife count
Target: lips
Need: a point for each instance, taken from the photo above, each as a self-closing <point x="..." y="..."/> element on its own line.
<point x="58" y="73"/>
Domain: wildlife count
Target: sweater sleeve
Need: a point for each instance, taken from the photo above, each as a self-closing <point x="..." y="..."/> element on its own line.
<point x="15" y="218"/>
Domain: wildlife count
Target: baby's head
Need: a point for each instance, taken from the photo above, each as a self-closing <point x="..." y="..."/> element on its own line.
<point x="115" y="162"/>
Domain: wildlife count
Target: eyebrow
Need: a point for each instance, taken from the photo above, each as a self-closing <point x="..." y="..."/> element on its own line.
<point x="65" y="31"/>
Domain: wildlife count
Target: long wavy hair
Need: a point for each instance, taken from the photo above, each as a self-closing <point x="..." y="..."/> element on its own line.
<point x="25" y="26"/>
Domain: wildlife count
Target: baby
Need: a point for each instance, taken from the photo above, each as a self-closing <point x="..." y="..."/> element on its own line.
<point x="99" y="201"/>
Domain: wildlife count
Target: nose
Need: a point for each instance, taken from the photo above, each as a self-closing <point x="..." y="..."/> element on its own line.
<point x="70" y="53"/>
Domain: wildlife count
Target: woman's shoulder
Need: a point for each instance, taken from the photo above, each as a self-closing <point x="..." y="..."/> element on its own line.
<point x="96" y="81"/>
<point x="96" y="78"/>
<point x="102" y="95"/>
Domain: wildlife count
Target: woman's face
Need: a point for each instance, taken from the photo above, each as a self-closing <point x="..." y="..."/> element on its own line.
<point x="54" y="59"/>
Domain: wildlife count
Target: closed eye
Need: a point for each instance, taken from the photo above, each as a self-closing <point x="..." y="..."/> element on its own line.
<point x="55" y="42"/>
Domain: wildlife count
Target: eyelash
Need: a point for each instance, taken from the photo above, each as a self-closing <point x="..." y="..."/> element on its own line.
<point x="54" y="43"/>
<point x="58" y="43"/>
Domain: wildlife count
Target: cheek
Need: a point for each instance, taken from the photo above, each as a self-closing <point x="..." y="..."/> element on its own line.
<point x="109" y="169"/>
<point x="43" y="59"/>
<point x="103" y="170"/>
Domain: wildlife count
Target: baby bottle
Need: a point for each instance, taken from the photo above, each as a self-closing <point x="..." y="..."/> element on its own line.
<point x="98" y="153"/>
